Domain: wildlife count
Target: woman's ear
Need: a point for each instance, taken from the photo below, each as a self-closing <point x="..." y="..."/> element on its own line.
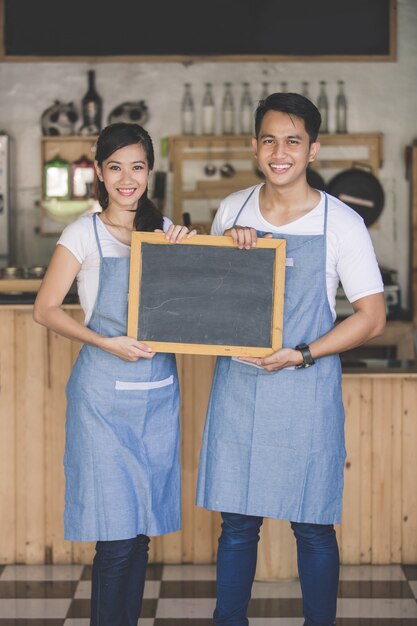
<point x="98" y="171"/>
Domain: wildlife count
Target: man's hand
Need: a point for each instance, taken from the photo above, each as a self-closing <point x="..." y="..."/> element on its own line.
<point x="244" y="237"/>
<point x="286" y="357"/>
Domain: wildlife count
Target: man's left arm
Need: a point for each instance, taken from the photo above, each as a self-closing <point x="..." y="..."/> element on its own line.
<point x="367" y="321"/>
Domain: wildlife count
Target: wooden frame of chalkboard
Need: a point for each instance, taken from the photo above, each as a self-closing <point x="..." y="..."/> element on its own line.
<point x="206" y="296"/>
<point x="238" y="30"/>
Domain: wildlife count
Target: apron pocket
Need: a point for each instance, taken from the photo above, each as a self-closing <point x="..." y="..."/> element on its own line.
<point x="121" y="385"/>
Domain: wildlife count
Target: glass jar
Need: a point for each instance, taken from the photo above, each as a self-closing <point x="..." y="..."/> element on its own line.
<point x="57" y="178"/>
<point x="82" y="178"/>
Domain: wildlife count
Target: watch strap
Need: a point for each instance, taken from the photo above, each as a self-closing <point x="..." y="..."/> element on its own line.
<point x="306" y="354"/>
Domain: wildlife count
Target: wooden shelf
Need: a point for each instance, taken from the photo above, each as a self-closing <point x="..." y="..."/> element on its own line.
<point x="10" y="285"/>
<point x="188" y="148"/>
<point x="70" y="148"/>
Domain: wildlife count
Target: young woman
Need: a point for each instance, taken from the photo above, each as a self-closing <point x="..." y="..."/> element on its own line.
<point x="122" y="431"/>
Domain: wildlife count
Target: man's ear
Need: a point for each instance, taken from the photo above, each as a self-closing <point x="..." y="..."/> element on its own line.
<point x="255" y="147"/>
<point x="314" y="150"/>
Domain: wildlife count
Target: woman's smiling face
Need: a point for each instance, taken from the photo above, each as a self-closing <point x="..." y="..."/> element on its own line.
<point x="125" y="175"/>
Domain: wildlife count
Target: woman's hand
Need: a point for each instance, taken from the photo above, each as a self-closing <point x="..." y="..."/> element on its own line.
<point x="176" y="233"/>
<point x="126" y="348"/>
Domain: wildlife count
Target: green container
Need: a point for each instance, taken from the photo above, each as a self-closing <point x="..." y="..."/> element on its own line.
<point x="57" y="178"/>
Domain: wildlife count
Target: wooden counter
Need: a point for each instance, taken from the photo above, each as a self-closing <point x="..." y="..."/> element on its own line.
<point x="380" y="503"/>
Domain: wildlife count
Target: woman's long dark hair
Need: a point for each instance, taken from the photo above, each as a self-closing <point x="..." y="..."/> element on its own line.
<point x="119" y="135"/>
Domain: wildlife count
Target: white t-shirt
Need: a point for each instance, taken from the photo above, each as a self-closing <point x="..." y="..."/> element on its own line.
<point x="79" y="238"/>
<point x="350" y="256"/>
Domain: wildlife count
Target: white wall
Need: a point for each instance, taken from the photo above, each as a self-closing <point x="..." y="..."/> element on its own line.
<point x="381" y="97"/>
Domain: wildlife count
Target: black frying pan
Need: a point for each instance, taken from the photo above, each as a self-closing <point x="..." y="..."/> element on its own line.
<point x="315" y="180"/>
<point x="360" y="190"/>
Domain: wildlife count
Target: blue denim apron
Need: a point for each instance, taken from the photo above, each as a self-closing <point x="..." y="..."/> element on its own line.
<point x="122" y="430"/>
<point x="273" y="442"/>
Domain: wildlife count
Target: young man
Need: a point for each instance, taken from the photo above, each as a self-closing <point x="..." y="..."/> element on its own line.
<point x="273" y="443"/>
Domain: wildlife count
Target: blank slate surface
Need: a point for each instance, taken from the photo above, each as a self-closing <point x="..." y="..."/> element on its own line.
<point x="205" y="298"/>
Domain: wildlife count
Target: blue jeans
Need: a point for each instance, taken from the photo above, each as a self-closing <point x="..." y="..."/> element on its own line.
<point x="118" y="580"/>
<point x="318" y="568"/>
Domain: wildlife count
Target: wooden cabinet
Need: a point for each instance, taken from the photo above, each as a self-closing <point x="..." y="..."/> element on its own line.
<point x="380" y="509"/>
<point x="199" y="194"/>
<point x="56" y="214"/>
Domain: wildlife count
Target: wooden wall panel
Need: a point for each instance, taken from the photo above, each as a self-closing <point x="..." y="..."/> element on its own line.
<point x="379" y="522"/>
<point x="8" y="486"/>
<point x="409" y="472"/>
<point x="203" y="548"/>
<point x="30" y="429"/>
<point x="396" y="416"/>
<point x="58" y="369"/>
<point x="365" y="511"/>
<point x="277" y="555"/>
<point x="381" y="471"/>
<point x="350" y="537"/>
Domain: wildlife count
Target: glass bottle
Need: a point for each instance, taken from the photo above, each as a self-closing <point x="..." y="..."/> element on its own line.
<point x="246" y="111"/>
<point x="208" y="122"/>
<point x="265" y="91"/>
<point x="305" y="90"/>
<point x="341" y="109"/>
<point x="228" y="111"/>
<point x="92" y="108"/>
<point x="188" y="111"/>
<point x="323" y="107"/>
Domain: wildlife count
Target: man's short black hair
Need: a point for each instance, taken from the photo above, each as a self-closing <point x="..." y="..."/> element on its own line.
<point x="293" y="104"/>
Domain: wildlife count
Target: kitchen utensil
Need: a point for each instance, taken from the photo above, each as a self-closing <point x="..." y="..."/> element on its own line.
<point x="359" y="188"/>
<point x="186" y="219"/>
<point x="209" y="169"/>
<point x="227" y="170"/>
<point x="315" y="180"/>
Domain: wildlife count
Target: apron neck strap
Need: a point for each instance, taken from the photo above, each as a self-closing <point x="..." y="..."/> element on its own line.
<point x="97" y="237"/>
<point x="326" y="203"/>
<point x="244" y="204"/>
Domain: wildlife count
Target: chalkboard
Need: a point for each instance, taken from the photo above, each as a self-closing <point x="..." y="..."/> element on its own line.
<point x="192" y="29"/>
<point x="205" y="296"/>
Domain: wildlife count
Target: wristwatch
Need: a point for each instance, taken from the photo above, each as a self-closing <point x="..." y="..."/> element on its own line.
<point x="307" y="358"/>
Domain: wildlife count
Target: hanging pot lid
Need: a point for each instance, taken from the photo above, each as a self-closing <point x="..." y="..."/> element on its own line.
<point x="360" y="189"/>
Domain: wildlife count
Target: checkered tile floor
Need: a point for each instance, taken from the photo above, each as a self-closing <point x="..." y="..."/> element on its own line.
<point x="183" y="595"/>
